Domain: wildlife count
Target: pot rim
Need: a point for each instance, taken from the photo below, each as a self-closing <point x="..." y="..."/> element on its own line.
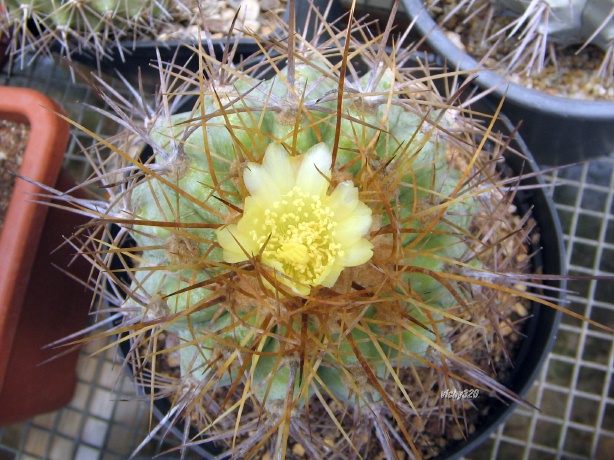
<point x="24" y="220"/>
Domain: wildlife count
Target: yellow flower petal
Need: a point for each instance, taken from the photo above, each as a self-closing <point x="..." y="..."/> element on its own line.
<point x="277" y="163"/>
<point x="252" y="214"/>
<point x="344" y="199"/>
<point x="282" y="279"/>
<point x="259" y="182"/>
<point x="352" y="228"/>
<point x="358" y="254"/>
<point x="331" y="277"/>
<point x="314" y="169"/>
<point x="229" y="238"/>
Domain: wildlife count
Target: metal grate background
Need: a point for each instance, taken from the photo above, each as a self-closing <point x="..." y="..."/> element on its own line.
<point x="575" y="391"/>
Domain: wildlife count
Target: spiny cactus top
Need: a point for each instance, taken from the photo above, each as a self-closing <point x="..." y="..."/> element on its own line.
<point x="569" y="22"/>
<point x="527" y="37"/>
<point x="319" y="246"/>
<point x="38" y="26"/>
<point x="95" y="26"/>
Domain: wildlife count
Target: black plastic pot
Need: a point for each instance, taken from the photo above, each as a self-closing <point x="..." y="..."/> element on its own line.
<point x="540" y="330"/>
<point x="556" y="129"/>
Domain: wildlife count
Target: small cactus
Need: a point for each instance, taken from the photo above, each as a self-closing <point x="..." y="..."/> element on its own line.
<point x="535" y="26"/>
<point x="312" y="231"/>
<point x="37" y="26"/>
<point x="92" y="26"/>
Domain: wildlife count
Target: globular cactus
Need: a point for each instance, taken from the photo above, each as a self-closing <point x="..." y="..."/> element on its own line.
<point x="307" y="234"/>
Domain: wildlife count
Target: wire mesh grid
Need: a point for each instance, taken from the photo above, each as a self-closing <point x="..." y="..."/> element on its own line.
<point x="575" y="390"/>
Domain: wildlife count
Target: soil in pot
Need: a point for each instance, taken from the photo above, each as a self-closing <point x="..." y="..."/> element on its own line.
<point x="255" y="16"/>
<point x="13" y="141"/>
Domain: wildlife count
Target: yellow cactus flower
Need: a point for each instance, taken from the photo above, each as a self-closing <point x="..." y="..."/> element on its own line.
<point x="309" y="237"/>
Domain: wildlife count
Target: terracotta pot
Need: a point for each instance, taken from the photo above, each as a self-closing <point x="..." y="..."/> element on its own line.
<point x="38" y="303"/>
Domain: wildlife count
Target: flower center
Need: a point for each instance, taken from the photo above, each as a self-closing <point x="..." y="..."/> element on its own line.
<point x="299" y="231"/>
<point x="295" y="253"/>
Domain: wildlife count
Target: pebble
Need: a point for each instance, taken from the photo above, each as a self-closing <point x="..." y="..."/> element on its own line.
<point x="520" y="309"/>
<point x="298" y="450"/>
<point x="249" y="10"/>
<point x="505" y="329"/>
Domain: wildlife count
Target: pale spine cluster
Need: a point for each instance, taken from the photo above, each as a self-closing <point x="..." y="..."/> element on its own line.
<point x="570" y="22"/>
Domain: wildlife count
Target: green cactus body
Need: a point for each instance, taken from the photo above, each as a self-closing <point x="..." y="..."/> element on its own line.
<point x="196" y="186"/>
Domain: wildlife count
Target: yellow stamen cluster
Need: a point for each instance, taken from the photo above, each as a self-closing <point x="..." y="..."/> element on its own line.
<point x="302" y="236"/>
<point x="305" y="235"/>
